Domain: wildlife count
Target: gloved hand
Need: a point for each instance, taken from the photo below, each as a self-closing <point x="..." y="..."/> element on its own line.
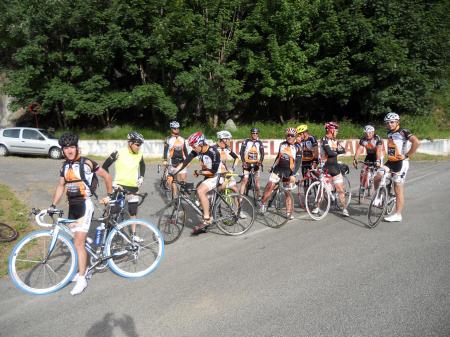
<point x="105" y="200"/>
<point x="245" y="165"/>
<point x="164" y="162"/>
<point x="196" y="173"/>
<point x="51" y="209"/>
<point x="140" y="181"/>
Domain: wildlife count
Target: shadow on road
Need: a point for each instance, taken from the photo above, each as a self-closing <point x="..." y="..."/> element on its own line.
<point x="109" y="324"/>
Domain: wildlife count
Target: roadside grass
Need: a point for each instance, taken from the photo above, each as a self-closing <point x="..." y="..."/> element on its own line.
<point x="425" y="127"/>
<point x="14" y="213"/>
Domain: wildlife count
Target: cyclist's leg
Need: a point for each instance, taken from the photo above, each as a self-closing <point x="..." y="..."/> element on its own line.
<point x="256" y="175"/>
<point x="244" y="180"/>
<point x="202" y="189"/>
<point x="399" y="179"/>
<point x="338" y="181"/>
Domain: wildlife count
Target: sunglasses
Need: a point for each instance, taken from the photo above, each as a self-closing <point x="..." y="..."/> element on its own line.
<point x="391" y="122"/>
<point x="137" y="144"/>
<point x="291" y="136"/>
<point x="255" y="133"/>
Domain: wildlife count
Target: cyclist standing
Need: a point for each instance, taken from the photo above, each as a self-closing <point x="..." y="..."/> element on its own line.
<point x="175" y="152"/>
<point x="210" y="161"/>
<point x="252" y="156"/>
<point x="284" y="169"/>
<point x="310" y="151"/>
<point x="331" y="149"/>
<point x="373" y="145"/>
<point x="398" y="159"/>
<point x="223" y="146"/>
<point x="129" y="172"/>
<point x="79" y="194"/>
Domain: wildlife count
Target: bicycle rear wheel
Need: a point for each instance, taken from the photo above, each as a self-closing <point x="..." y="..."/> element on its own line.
<point x="317" y="201"/>
<point x="7" y="233"/>
<point x="134" y="256"/>
<point x="377" y="207"/>
<point x="276" y="214"/>
<point x="172" y="221"/>
<point x="34" y="271"/>
<point x="234" y="214"/>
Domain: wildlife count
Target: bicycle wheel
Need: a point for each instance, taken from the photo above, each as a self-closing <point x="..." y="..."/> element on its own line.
<point x="276" y="214"/>
<point x="233" y="213"/>
<point x="377" y="207"/>
<point x="137" y="256"/>
<point x="172" y="221"/>
<point x="7" y="233"/>
<point x="317" y="201"/>
<point x="34" y="271"/>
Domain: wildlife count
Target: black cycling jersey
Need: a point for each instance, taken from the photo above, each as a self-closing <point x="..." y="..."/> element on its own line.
<point x="308" y="146"/>
<point x="371" y="147"/>
<point x="252" y="151"/>
<point x="210" y="160"/>
<point x="331" y="149"/>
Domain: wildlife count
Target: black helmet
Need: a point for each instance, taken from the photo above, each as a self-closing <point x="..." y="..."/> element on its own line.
<point x="68" y="139"/>
<point x="254" y="130"/>
<point x="136" y="137"/>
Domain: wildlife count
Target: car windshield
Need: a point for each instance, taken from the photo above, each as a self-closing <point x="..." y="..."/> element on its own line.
<point x="47" y="134"/>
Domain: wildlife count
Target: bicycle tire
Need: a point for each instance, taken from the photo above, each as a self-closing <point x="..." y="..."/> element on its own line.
<point x="375" y="213"/>
<point x="26" y="263"/>
<point x="276" y="214"/>
<point x="172" y="221"/>
<point x="7" y="233"/>
<point x="317" y="197"/>
<point x="234" y="214"/>
<point x="127" y="255"/>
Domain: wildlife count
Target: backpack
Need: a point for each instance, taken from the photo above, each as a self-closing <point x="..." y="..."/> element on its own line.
<point x="94" y="182"/>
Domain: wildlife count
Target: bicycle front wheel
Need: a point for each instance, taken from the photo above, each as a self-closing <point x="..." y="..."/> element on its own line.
<point x="276" y="214"/>
<point x="171" y="221"/>
<point x="233" y="213"/>
<point x="317" y="201"/>
<point x="134" y="255"/>
<point x="7" y="233"/>
<point x="377" y="207"/>
<point x="35" y="271"/>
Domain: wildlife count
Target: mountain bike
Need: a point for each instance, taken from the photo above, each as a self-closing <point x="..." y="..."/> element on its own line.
<point x="322" y="194"/>
<point x="7" y="233"/>
<point x="164" y="182"/>
<point x="45" y="261"/>
<point x="366" y="180"/>
<point x="232" y="213"/>
<point x="383" y="200"/>
<point x="251" y="183"/>
<point x="277" y="213"/>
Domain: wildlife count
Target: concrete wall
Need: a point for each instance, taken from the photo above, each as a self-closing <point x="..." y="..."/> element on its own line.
<point x="154" y="148"/>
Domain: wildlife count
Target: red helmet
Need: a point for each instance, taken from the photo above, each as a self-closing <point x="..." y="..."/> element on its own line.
<point x="196" y="139"/>
<point x="331" y="126"/>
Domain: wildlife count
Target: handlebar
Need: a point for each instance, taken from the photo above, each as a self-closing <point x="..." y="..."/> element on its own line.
<point x="39" y="216"/>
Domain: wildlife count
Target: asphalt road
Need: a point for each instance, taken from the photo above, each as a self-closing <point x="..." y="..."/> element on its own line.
<point x="333" y="277"/>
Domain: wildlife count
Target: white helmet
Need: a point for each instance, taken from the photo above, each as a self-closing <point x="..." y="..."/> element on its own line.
<point x="391" y="116"/>
<point x="224" y="135"/>
<point x="174" y="125"/>
<point x="369" y="128"/>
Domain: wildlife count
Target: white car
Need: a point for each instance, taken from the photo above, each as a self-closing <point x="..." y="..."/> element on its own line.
<point x="29" y="141"/>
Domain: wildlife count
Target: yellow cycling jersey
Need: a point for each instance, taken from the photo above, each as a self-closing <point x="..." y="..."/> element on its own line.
<point x="127" y="167"/>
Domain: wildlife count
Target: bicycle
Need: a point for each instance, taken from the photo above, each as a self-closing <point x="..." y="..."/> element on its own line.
<point x="277" y="213"/>
<point x="366" y="188"/>
<point x="45" y="261"/>
<point x="119" y="204"/>
<point x="164" y="183"/>
<point x="322" y="193"/>
<point x="232" y="213"/>
<point x="251" y="183"/>
<point x="383" y="201"/>
<point x="308" y="178"/>
<point x="7" y="233"/>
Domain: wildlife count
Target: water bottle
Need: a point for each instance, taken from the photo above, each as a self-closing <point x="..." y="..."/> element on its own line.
<point x="98" y="233"/>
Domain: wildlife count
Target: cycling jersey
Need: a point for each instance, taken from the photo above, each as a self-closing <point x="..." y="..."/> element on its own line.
<point x="398" y="144"/>
<point x="288" y="155"/>
<point x="175" y="150"/>
<point x="307" y="146"/>
<point x="209" y="160"/>
<point x="371" y="147"/>
<point x="129" y="166"/>
<point x="331" y="149"/>
<point x="225" y="153"/>
<point x="76" y="188"/>
<point x="252" y="151"/>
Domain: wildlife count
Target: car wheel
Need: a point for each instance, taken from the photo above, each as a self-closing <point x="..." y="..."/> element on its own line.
<point x="3" y="151"/>
<point x="55" y="153"/>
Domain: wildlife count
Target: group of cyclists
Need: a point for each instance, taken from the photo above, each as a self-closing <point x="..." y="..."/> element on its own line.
<point x="299" y="152"/>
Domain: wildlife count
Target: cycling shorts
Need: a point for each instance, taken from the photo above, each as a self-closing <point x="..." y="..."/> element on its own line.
<point x="210" y="183"/>
<point x="256" y="172"/>
<point x="173" y="169"/>
<point x="82" y="211"/>
<point x="400" y="168"/>
<point x="279" y="173"/>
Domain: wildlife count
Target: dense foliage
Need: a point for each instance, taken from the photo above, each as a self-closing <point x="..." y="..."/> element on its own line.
<point x="97" y="63"/>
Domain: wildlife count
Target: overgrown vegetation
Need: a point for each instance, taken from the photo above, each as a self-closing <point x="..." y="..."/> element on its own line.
<point x="14" y="213"/>
<point x="101" y="63"/>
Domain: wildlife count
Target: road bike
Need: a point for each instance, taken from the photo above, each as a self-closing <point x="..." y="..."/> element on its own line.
<point x="322" y="194"/>
<point x="7" y="233"/>
<point x="232" y="213"/>
<point x="383" y="200"/>
<point x="251" y="183"/>
<point x="45" y="261"/>
<point x="307" y="179"/>
<point x="164" y="185"/>
<point x="277" y="213"/>
<point x="366" y="180"/>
